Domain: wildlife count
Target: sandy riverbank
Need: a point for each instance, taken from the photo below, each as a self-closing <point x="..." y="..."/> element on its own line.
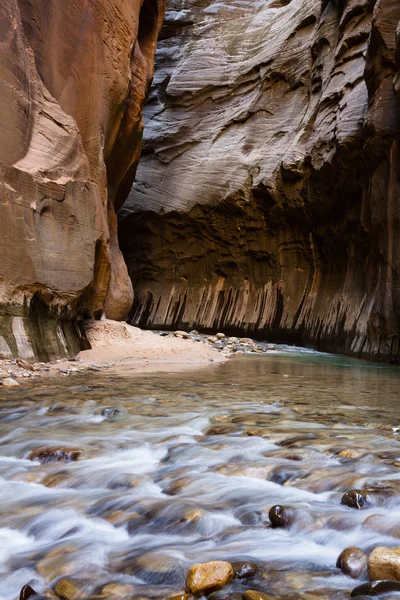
<point x="116" y="342"/>
<point x="117" y="345"/>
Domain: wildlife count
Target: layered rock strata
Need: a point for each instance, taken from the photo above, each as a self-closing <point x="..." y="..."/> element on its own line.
<point x="73" y="77"/>
<point x="267" y="201"/>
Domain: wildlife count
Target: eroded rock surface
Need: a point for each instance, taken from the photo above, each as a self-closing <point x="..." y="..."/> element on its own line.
<point x="73" y="77"/>
<point x="267" y="200"/>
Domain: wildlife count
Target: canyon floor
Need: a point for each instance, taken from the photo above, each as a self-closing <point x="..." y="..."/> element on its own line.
<point x="117" y="345"/>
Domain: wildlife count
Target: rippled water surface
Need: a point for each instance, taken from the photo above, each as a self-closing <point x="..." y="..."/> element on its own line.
<point x="186" y="470"/>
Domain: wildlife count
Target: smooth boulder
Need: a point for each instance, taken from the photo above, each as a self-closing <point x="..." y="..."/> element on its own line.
<point x="208" y="576"/>
<point x="384" y="563"/>
<point x="355" y="499"/>
<point x="353" y="562"/>
<point x="281" y="516"/>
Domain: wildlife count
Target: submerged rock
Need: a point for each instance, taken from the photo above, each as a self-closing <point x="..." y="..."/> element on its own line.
<point x="244" y="569"/>
<point x="384" y="563"/>
<point x="375" y="588"/>
<point x="353" y="562"/>
<point x="67" y="590"/>
<point x="209" y="576"/>
<point x="54" y="454"/>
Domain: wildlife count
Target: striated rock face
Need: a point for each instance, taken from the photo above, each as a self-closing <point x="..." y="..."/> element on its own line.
<point x="73" y="77"/>
<point x="268" y="198"/>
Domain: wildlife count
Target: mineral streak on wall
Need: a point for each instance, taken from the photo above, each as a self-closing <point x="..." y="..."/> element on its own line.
<point x="73" y="77"/>
<point x="267" y="201"/>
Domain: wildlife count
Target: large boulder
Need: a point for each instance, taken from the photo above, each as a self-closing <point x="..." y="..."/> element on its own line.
<point x="384" y="563"/>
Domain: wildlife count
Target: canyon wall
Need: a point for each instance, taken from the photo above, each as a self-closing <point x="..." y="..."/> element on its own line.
<point x="267" y="201"/>
<point x="73" y="78"/>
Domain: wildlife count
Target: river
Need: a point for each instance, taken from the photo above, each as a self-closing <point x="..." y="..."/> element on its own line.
<point x="182" y="467"/>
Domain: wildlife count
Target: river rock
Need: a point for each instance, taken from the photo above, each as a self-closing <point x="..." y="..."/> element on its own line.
<point x="375" y="588"/>
<point x="353" y="561"/>
<point x="221" y="429"/>
<point x="55" y="454"/>
<point x="384" y="524"/>
<point x="118" y="591"/>
<point x="10" y="382"/>
<point x="182" y="596"/>
<point x="26" y="592"/>
<point x="384" y="563"/>
<point x="281" y="516"/>
<point x="254" y="595"/>
<point x="355" y="499"/>
<point x="181" y="334"/>
<point x="209" y="576"/>
<point x="244" y="569"/>
<point x="67" y="590"/>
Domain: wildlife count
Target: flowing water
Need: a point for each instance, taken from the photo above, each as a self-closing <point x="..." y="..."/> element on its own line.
<point x="186" y="468"/>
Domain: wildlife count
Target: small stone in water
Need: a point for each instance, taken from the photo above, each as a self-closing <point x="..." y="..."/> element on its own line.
<point x="208" y="576"/>
<point x="66" y="590"/>
<point x="384" y="563"/>
<point x="26" y="592"/>
<point x="254" y="595"/>
<point x="181" y="334"/>
<point x="244" y="570"/>
<point x="375" y="588"/>
<point x="355" y="499"/>
<point x="182" y="596"/>
<point x="220" y="336"/>
<point x="110" y="412"/>
<point x="280" y="516"/>
<point x="349" y="454"/>
<point x="353" y="562"/>
<point x="10" y="382"/>
<point x="46" y="455"/>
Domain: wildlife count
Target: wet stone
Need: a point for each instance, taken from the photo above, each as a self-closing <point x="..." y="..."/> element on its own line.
<point x="353" y="562"/>
<point x="221" y="429"/>
<point x="375" y="588"/>
<point x="355" y="499"/>
<point x="53" y="454"/>
<point x="244" y="569"/>
<point x="224" y="594"/>
<point x="254" y="595"/>
<point x="10" y="382"/>
<point x="26" y="592"/>
<point x="208" y="576"/>
<point x="110" y="413"/>
<point x="384" y="563"/>
<point x="281" y="516"/>
<point x="182" y="596"/>
<point x="117" y="591"/>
